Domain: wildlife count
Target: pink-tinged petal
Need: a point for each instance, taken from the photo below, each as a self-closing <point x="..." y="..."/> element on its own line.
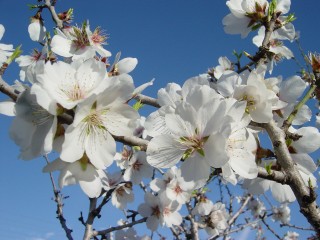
<point x="7" y="108"/>
<point x="164" y="151"/>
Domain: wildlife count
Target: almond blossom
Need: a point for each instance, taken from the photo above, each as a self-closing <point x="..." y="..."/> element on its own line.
<point x="33" y="128"/>
<point x="95" y="120"/>
<point x="281" y="213"/>
<point x="122" y="195"/>
<point x="160" y="211"/>
<point x="79" y="43"/>
<point x="69" y="84"/>
<point x="198" y="136"/>
<point x="137" y="168"/>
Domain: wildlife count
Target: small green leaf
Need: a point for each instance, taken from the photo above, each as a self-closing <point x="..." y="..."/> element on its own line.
<point x="201" y="152"/>
<point x="256" y="26"/>
<point x="272" y="8"/>
<point x="290" y="18"/>
<point x="138" y="105"/>
<point x="14" y="55"/>
<point x="268" y="168"/>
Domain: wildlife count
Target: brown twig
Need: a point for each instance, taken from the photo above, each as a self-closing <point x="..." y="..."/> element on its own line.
<point x="58" y="200"/>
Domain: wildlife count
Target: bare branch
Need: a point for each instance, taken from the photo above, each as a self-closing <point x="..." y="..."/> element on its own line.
<point x="276" y="176"/>
<point x="269" y="228"/>
<point x="54" y="15"/>
<point x="91" y="216"/>
<point x="147" y="100"/>
<point x="8" y="90"/>
<point x="241" y="209"/>
<point x="304" y="195"/>
<point x="105" y="232"/>
<point x="58" y="200"/>
<point x="194" y="224"/>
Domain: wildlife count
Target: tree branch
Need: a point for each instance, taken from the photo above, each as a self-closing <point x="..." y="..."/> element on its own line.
<point x="58" y="200"/>
<point x="276" y="176"/>
<point x="147" y="100"/>
<point x="304" y="195"/>
<point x="54" y="15"/>
<point x="105" y="232"/>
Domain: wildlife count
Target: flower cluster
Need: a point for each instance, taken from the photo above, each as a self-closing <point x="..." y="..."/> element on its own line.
<point x="75" y="103"/>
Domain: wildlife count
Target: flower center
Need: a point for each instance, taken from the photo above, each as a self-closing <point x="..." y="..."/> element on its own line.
<point x="194" y="144"/>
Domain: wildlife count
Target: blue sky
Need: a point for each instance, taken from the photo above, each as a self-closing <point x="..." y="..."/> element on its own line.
<point x="173" y="40"/>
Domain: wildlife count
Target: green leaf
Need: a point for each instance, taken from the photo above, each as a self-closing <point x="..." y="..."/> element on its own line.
<point x="272" y="8"/>
<point x="290" y="18"/>
<point x="138" y="105"/>
<point x="268" y="168"/>
<point x="256" y="26"/>
<point x="201" y="152"/>
<point x="17" y="52"/>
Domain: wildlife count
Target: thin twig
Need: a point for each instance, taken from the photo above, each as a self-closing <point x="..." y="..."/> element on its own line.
<point x="58" y="200"/>
<point x="269" y="228"/>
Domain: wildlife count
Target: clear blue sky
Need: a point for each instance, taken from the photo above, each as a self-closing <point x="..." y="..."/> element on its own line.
<point x="173" y="40"/>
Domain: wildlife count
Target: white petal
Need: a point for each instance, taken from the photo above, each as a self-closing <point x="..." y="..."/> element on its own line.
<point x="72" y="148"/>
<point x="61" y="46"/>
<point x="101" y="150"/>
<point x="309" y="142"/>
<point x="194" y="169"/>
<point x="291" y="89"/>
<point x="36" y="31"/>
<point x="7" y="108"/>
<point x="283" y="6"/>
<point x="282" y="193"/>
<point x="164" y="151"/>
<point x="127" y="65"/>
